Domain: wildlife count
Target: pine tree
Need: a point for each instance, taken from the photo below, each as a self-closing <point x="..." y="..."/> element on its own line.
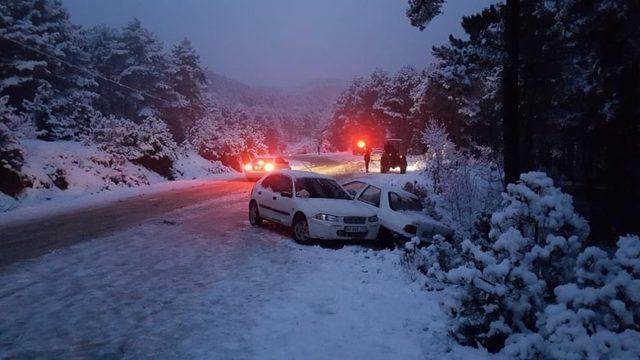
<point x="43" y="85"/>
<point x="187" y="79"/>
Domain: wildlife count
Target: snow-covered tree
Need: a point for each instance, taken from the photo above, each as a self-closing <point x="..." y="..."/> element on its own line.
<point x="509" y="278"/>
<point x="187" y="79"/>
<point x="149" y="144"/>
<point x="463" y="184"/>
<point x="228" y="135"/>
<point x="595" y="317"/>
<point x="44" y="85"/>
<point x="146" y="69"/>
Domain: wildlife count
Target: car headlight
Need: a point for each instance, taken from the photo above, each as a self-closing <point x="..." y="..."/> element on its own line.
<point x="327" y="217"/>
<point x="373" y="218"/>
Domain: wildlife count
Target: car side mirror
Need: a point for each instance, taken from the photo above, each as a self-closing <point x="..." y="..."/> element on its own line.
<point x="286" y="194"/>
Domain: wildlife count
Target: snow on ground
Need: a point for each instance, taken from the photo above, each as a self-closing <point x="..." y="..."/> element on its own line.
<point x="200" y="282"/>
<point x="92" y="176"/>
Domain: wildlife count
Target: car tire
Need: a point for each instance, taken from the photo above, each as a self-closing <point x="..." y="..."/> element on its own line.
<point x="301" y="230"/>
<point x="254" y="214"/>
<point x="386" y="238"/>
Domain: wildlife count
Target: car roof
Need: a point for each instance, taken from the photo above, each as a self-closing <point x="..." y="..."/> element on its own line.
<point x="383" y="185"/>
<point x="302" y="174"/>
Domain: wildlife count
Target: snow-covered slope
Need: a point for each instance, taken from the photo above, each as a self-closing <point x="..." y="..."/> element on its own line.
<point x="64" y="170"/>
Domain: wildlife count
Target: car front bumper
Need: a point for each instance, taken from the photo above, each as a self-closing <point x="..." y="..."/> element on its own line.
<point x="324" y="230"/>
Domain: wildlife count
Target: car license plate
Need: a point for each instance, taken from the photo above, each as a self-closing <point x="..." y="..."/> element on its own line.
<point x="355" y="229"/>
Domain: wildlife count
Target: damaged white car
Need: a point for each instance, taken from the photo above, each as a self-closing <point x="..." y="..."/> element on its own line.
<point x="399" y="211"/>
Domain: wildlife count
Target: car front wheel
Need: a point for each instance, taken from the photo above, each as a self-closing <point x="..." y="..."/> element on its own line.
<point x="301" y="230"/>
<point x="254" y="214"/>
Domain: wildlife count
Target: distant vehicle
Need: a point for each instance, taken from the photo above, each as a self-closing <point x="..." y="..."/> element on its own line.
<point x="263" y="165"/>
<point x="394" y="156"/>
<point x="400" y="212"/>
<point x="376" y="154"/>
<point x="314" y="205"/>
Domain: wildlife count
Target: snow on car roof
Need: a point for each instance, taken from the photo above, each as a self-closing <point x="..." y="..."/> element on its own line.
<point x="303" y="174"/>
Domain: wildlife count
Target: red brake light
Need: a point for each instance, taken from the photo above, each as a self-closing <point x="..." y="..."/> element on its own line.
<point x="361" y="144"/>
<point x="248" y="167"/>
<point x="269" y="167"/>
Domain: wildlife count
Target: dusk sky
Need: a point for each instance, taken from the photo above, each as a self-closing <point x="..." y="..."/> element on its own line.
<point x="286" y="42"/>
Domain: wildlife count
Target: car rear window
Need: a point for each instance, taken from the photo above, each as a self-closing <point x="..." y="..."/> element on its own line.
<point x="398" y="202"/>
<point x="371" y="196"/>
<point x="319" y="188"/>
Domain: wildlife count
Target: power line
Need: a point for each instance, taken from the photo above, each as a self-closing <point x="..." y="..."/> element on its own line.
<point x="91" y="72"/>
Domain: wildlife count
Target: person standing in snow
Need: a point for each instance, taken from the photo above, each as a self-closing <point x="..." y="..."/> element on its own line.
<point x="367" y="158"/>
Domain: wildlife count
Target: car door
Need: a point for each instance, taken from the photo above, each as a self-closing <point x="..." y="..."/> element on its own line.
<point x="393" y="220"/>
<point x="282" y="199"/>
<point x="265" y="195"/>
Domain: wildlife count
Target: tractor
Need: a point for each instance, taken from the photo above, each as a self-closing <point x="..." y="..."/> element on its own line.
<point x="394" y="156"/>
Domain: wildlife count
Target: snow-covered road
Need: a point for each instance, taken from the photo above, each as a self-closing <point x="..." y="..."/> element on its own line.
<point x="197" y="281"/>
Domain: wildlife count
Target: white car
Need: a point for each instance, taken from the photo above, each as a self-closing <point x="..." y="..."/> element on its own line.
<point x="315" y="206"/>
<point x="399" y="211"/>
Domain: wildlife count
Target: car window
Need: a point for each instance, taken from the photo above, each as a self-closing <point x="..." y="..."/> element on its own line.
<point x="319" y="188"/>
<point x="354" y="187"/>
<point x="269" y="181"/>
<point x="403" y="203"/>
<point x="371" y="196"/>
<point x="282" y="183"/>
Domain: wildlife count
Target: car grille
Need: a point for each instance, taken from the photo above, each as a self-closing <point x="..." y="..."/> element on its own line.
<point x="354" y="220"/>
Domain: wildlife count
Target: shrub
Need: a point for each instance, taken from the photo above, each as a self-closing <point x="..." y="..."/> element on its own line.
<point x="464" y="184"/>
<point x="509" y="277"/>
<point x="148" y="144"/>
<point x="595" y="317"/>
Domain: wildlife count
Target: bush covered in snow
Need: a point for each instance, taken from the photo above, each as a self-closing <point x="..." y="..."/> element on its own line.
<point x="148" y="144"/>
<point x="595" y="317"/>
<point x="462" y="185"/>
<point x="509" y="277"/>
<point x="525" y="285"/>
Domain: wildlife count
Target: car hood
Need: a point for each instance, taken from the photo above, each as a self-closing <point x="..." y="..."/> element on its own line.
<point x="336" y="207"/>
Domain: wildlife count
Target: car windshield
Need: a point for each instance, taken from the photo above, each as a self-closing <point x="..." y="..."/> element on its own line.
<point x="319" y="188"/>
<point x="403" y="203"/>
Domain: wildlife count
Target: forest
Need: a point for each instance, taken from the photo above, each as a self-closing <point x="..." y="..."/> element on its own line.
<point x="556" y="90"/>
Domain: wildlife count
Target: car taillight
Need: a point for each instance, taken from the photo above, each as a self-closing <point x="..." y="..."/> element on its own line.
<point x="248" y="167"/>
<point x="410" y="229"/>
<point x="260" y="162"/>
<point x="361" y="144"/>
<point x="269" y="167"/>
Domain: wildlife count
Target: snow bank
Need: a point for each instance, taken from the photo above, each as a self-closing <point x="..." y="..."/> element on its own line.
<point x="69" y="174"/>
